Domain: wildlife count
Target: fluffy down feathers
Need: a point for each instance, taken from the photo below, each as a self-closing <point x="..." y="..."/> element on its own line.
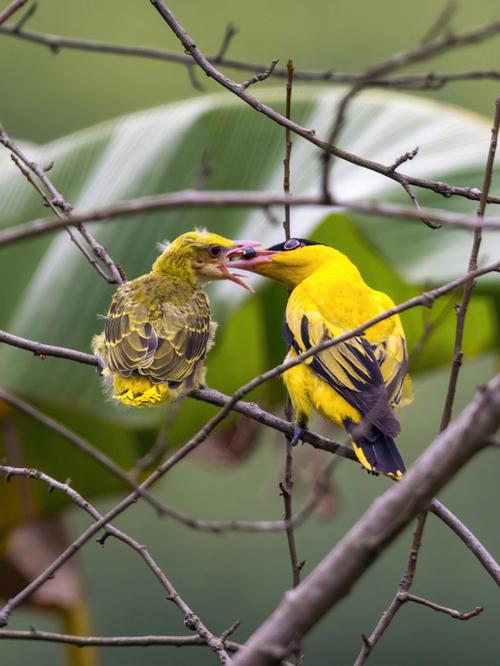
<point x="158" y="327"/>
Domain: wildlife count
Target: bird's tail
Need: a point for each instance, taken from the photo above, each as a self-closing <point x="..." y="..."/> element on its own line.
<point x="139" y="391"/>
<point x="375" y="450"/>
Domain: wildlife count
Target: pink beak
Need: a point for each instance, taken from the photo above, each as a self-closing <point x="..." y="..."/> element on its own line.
<point x="252" y="254"/>
<point x="239" y="249"/>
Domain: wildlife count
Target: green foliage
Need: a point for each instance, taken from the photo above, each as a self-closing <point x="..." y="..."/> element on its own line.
<point x="52" y="295"/>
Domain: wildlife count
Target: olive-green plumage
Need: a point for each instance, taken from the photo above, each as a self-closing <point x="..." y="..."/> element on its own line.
<point x="158" y="327"/>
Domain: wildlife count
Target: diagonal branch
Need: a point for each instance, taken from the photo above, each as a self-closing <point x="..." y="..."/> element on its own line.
<point x="62" y="209"/>
<point x="11" y="9"/>
<point x="416" y="55"/>
<point x="191" y="620"/>
<point x="215" y="527"/>
<point x="335" y="576"/>
<point x="424" y="299"/>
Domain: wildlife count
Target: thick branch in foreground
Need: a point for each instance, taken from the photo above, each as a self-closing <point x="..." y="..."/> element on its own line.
<point x="334" y="577"/>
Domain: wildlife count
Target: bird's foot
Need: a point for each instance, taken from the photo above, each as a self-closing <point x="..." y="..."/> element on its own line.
<point x="298" y="432"/>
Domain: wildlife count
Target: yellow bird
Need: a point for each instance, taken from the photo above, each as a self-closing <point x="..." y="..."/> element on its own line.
<point x="357" y="383"/>
<point x="158" y="327"/>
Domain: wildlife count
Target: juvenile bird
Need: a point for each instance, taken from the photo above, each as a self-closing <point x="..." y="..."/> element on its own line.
<point x="356" y="383"/>
<point x="158" y="327"/>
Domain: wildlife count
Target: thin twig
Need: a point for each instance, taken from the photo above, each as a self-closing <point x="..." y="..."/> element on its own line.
<point x="430" y="327"/>
<point x="81" y="444"/>
<point x="402" y="594"/>
<point x="395" y="62"/>
<point x="422" y="52"/>
<point x="18" y="26"/>
<point x="113" y="641"/>
<point x="11" y="9"/>
<point x="441" y="23"/>
<point x="452" y="612"/>
<point x="398" y="600"/>
<point x="288" y="149"/>
<point x="261" y="76"/>
<point x="215" y="527"/>
<point x="229" y="34"/>
<point x="62" y="216"/>
<point x="62" y="209"/>
<point x="469" y="284"/>
<point x="405" y="157"/>
<point x="418" y="208"/>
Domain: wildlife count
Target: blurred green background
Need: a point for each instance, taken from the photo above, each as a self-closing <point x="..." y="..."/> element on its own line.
<point x="43" y="97"/>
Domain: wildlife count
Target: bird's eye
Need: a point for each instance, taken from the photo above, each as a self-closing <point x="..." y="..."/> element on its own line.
<point x="292" y="244"/>
<point x="214" y="250"/>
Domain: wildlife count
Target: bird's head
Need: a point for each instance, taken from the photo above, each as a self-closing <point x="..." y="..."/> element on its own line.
<point x="198" y="257"/>
<point x="289" y="262"/>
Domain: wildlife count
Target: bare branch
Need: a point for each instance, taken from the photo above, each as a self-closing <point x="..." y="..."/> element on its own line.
<point x="245" y="199"/>
<point x="402" y="596"/>
<point x="113" y="641"/>
<point x="455" y="614"/>
<point x="262" y="76"/>
<point x="418" y="207"/>
<point x="191" y="621"/>
<point x="216" y="527"/>
<point x="469" y="285"/>
<point x="80" y="443"/>
<point x="229" y="34"/>
<point x="11" y="9"/>
<point x="423" y="81"/>
<point x="441" y="23"/>
<point x="335" y="576"/>
<point x="42" y="350"/>
<point x="71" y="232"/>
<point x="62" y="209"/>
<point x="288" y="148"/>
<point x="398" y="60"/>
<point x="404" y="158"/>
<point x="26" y="16"/>
<point x="399" y="598"/>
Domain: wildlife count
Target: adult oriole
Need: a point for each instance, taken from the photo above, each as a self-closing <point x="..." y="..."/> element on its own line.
<point x="356" y="383"/>
<point x="158" y="327"/>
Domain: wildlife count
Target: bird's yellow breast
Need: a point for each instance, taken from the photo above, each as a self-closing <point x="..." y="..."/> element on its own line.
<point x="336" y="300"/>
<point x="307" y="390"/>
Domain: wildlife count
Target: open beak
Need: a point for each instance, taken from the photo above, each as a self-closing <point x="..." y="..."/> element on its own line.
<point x="238" y="250"/>
<point x="248" y="254"/>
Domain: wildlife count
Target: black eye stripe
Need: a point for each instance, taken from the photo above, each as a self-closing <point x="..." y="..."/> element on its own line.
<point x="293" y="244"/>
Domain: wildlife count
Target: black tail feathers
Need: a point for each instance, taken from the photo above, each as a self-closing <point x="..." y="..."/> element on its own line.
<point x="375" y="450"/>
